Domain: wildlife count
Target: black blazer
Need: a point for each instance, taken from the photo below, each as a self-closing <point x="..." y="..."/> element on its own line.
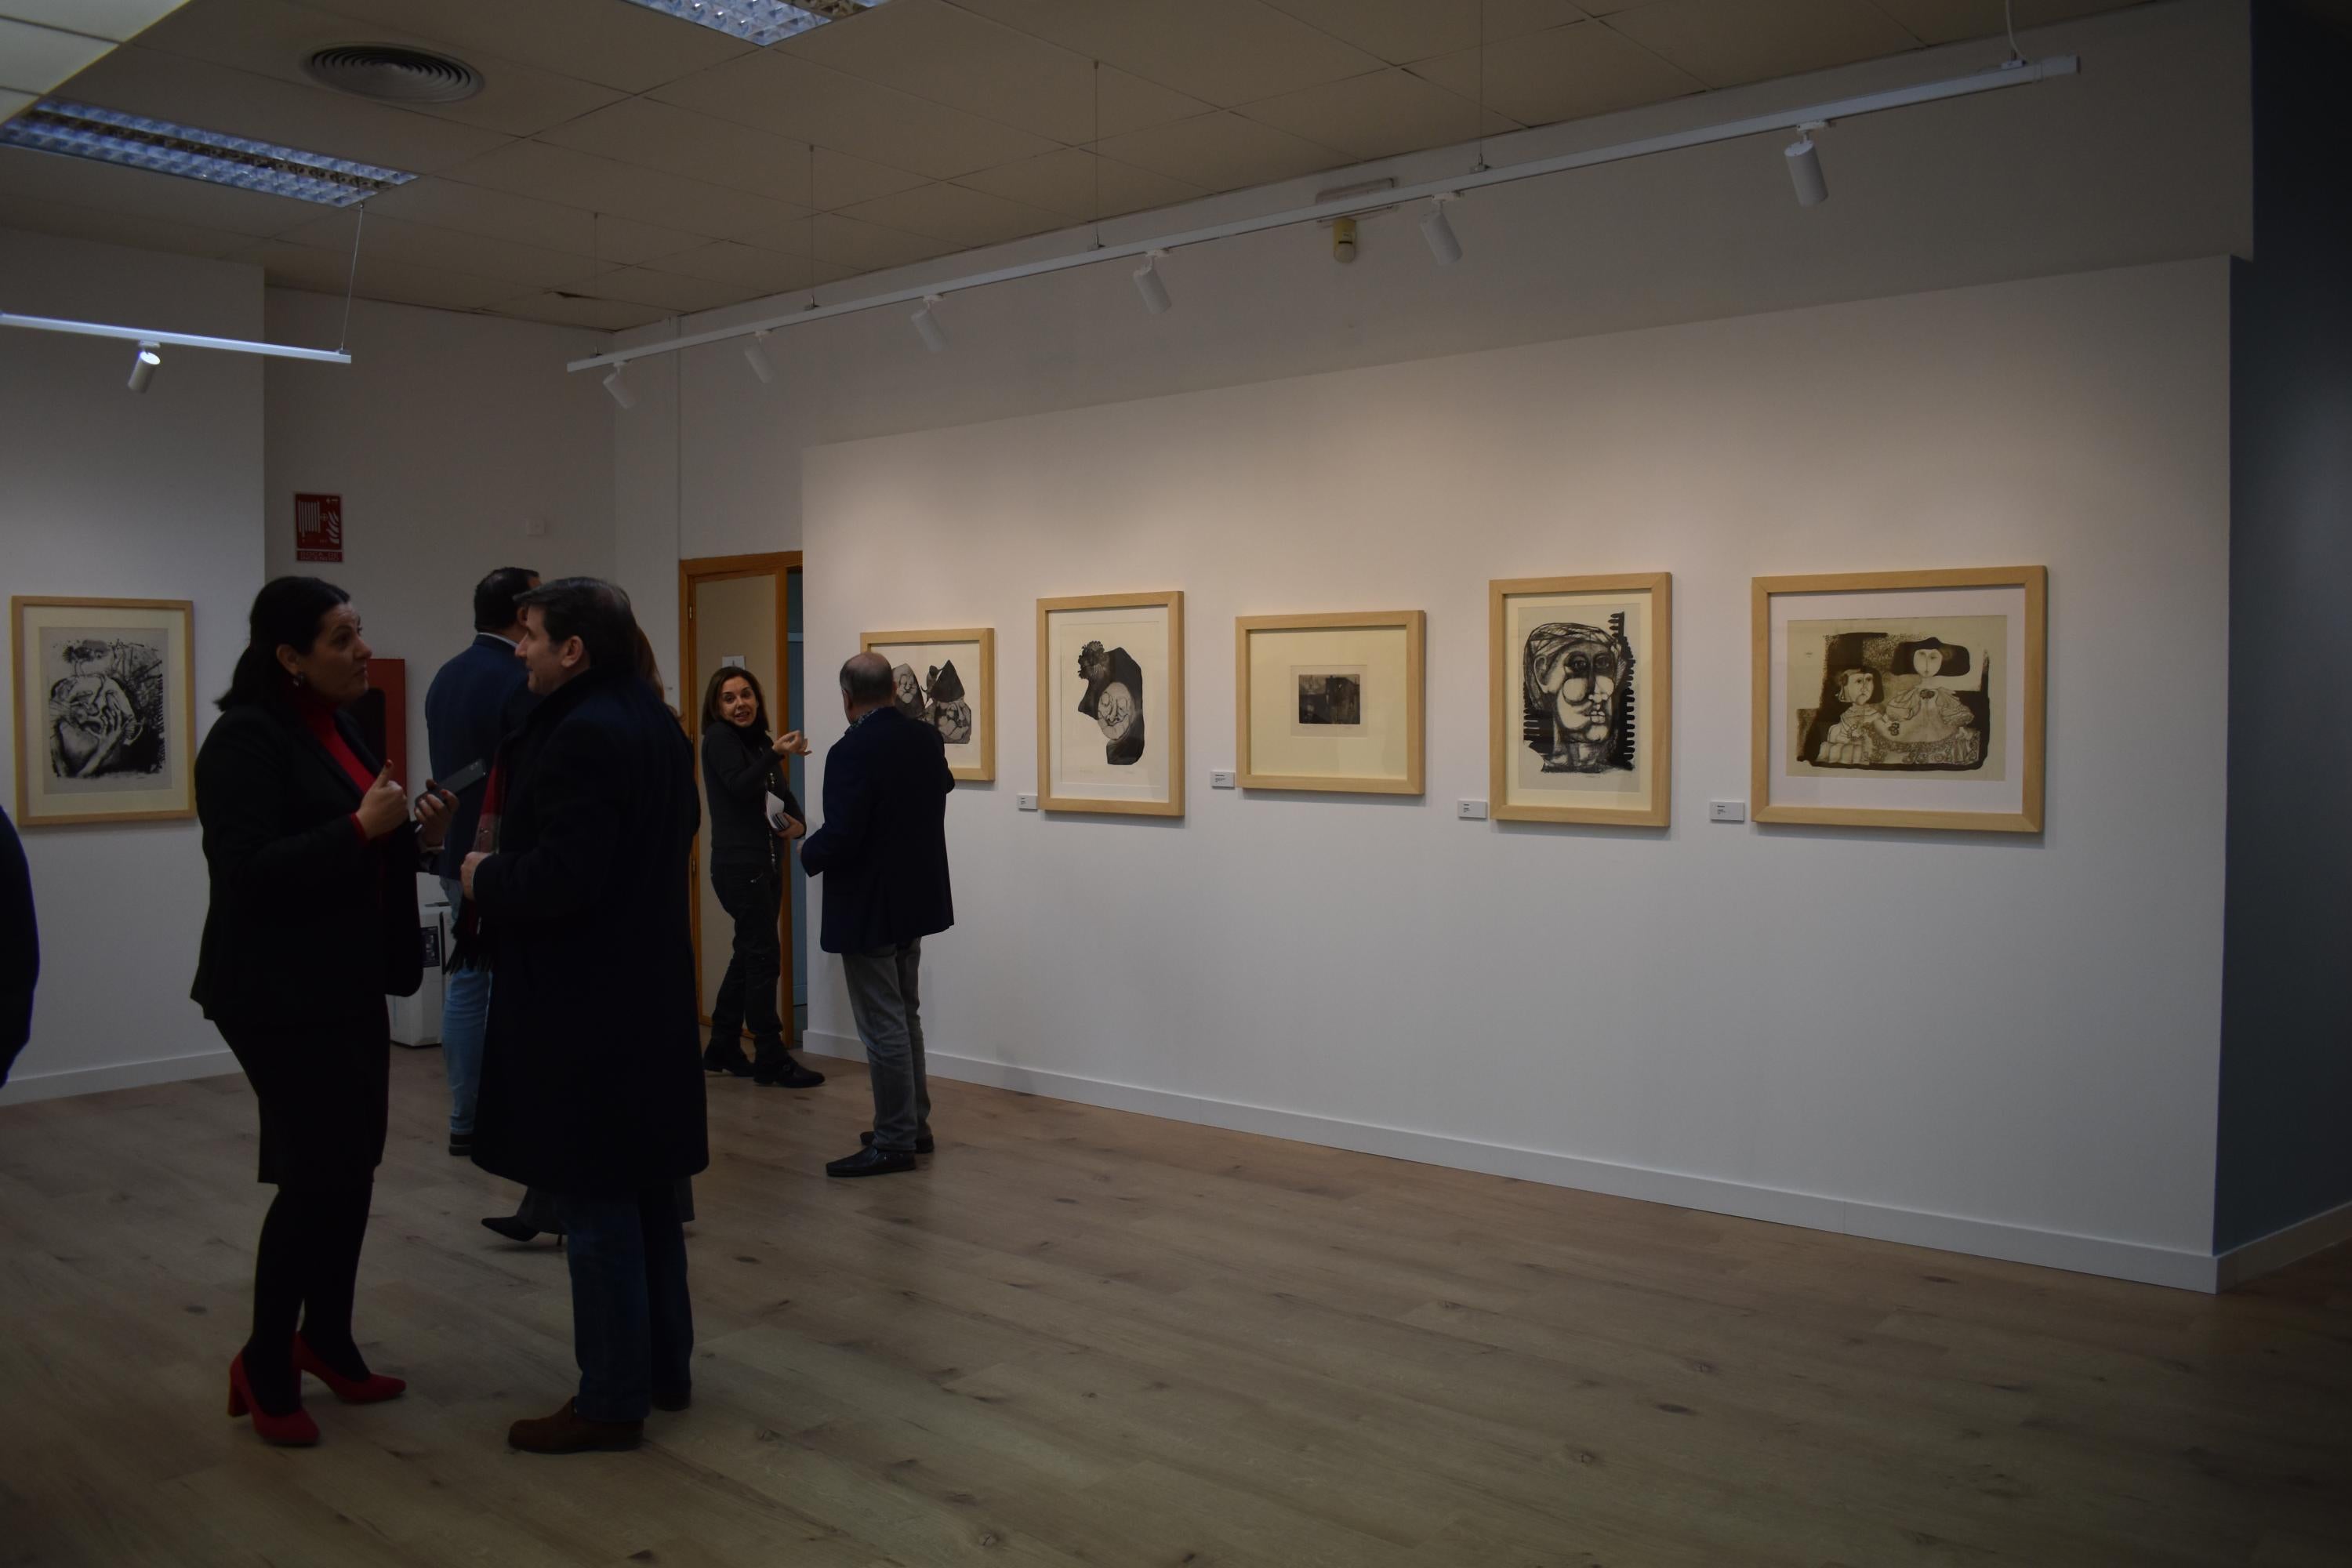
<point x="474" y="702"/>
<point x="20" y="948"/>
<point x="591" y="1073"/>
<point x="885" y="837"/>
<point x="738" y="770"/>
<point x="309" y="922"/>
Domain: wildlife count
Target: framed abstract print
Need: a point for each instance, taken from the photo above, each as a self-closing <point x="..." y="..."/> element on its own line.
<point x="947" y="679"/>
<point x="1900" y="699"/>
<point x="1581" y="694"/>
<point x="105" y="710"/>
<point x="1330" y="702"/>
<point x="1110" y="704"/>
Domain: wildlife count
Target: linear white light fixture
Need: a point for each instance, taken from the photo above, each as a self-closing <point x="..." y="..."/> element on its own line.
<point x="142" y="367"/>
<point x="1149" y="284"/>
<point x="1439" y="233"/>
<point x="149" y="337"/>
<point x="761" y="22"/>
<point x="755" y="355"/>
<point x="620" y="388"/>
<point x="927" y="326"/>
<point x="2016" y="75"/>
<point x="80" y="131"/>
<point x="1805" y="168"/>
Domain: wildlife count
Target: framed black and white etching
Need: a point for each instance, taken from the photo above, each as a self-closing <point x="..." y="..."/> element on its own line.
<point x="1110" y="704"/>
<point x="1580" y="728"/>
<point x="946" y="680"/>
<point x="105" y="710"/>
<point x="1330" y="702"/>
<point x="1900" y="699"/>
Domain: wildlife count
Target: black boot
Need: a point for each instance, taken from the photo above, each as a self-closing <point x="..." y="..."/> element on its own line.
<point x="777" y="1069"/>
<point x="728" y="1058"/>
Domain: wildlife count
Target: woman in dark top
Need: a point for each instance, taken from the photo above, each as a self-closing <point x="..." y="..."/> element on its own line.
<point x="742" y="766"/>
<point x="313" y="856"/>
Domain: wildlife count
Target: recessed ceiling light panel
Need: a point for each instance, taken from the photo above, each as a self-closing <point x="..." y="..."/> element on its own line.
<point x="761" y="22"/>
<point x="80" y="131"/>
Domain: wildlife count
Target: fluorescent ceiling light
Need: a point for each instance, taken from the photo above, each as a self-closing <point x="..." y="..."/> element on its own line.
<point x="761" y="22"/>
<point x="80" y="131"/>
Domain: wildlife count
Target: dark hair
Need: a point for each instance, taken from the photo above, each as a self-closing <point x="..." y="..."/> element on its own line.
<point x="1955" y="659"/>
<point x="865" y="677"/>
<point x="285" y="612"/>
<point x="591" y="609"/>
<point x="719" y="678"/>
<point x="1877" y="683"/>
<point x="494" y="598"/>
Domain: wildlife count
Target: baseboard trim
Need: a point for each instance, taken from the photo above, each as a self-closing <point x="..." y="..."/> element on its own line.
<point x="1950" y="1233"/>
<point x="2293" y="1244"/>
<point x="24" y="1088"/>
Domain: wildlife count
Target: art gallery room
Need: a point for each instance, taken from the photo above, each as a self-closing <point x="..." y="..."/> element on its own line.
<point x="1577" y="725"/>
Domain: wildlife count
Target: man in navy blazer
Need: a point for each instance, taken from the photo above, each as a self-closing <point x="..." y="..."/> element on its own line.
<point x="883" y="851"/>
<point x="474" y="702"/>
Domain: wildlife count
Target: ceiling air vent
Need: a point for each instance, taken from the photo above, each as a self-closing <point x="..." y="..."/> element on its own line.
<point x="392" y="74"/>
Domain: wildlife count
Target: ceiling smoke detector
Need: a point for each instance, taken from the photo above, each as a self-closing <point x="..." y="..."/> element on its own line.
<point x="392" y="74"/>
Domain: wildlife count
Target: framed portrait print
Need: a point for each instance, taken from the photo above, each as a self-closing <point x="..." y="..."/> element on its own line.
<point x="1110" y="704"/>
<point x="947" y="679"/>
<point x="1330" y="702"/>
<point x="1580" y="727"/>
<point x="1900" y="699"/>
<point x="105" y="710"/>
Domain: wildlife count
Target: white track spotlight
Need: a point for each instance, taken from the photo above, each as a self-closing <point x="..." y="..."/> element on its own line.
<point x="1148" y="283"/>
<point x="619" y="388"/>
<point x="927" y="326"/>
<point x="1439" y="233"/>
<point x="755" y="355"/>
<point x="143" y="369"/>
<point x="1805" y="168"/>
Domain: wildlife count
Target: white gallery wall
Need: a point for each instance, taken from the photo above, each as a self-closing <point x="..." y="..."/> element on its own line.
<point x="2006" y="1043"/>
<point x="105" y="494"/>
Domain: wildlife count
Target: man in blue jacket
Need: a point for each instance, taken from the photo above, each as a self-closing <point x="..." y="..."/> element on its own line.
<point x="882" y="852"/>
<point x="475" y="701"/>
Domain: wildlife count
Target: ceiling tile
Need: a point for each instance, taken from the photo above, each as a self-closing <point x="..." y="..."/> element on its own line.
<point x="1078" y="185"/>
<point x="1568" y="73"/>
<point x="1378" y="115"/>
<point x="744" y="266"/>
<point x="120" y="20"/>
<point x="869" y="248"/>
<point x="662" y="136"/>
<point x="604" y="41"/>
<point x="121" y="228"/>
<point x="35" y="59"/>
<point x="671" y="290"/>
<point x="478" y="209"/>
<point x="12" y="100"/>
<point x="949" y="56"/>
<point x="844" y="181"/>
<point x="395" y="240"/>
<point x="968" y="218"/>
<point x="1726" y="42"/>
<point x="600" y="184"/>
<point x="794" y="98"/>
<point x="1403" y="31"/>
<point x="273" y="37"/>
<point x="1221" y="151"/>
<point x="1131" y="103"/>
<point x="1952" y="21"/>
<point x="140" y="81"/>
<point x="1222" y="51"/>
<point x="576" y="311"/>
<point x="83" y="181"/>
<point x="325" y="272"/>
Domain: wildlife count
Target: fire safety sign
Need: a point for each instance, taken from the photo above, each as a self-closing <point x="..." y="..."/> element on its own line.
<point x="318" y="527"/>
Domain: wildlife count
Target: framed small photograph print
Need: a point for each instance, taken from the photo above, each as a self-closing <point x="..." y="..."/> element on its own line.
<point x="1110" y="704"/>
<point x="1330" y="702"/>
<point x="1582" y="720"/>
<point x="946" y="680"/>
<point x="105" y="710"/>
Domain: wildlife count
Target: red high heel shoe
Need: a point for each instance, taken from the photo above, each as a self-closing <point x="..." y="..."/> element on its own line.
<point x="295" y="1430"/>
<point x="372" y="1389"/>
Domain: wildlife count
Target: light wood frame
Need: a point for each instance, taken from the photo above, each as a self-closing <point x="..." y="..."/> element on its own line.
<point x="1655" y="690"/>
<point x="1413" y="623"/>
<point x="2034" y="580"/>
<point x="184" y="768"/>
<point x="985" y="771"/>
<point x="1172" y="601"/>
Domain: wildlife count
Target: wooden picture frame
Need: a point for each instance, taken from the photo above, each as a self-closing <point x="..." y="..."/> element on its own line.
<point x="1988" y="745"/>
<point x="105" y="709"/>
<point x="1146" y="723"/>
<point x="1404" y="715"/>
<point x="978" y="755"/>
<point x="1625" y="779"/>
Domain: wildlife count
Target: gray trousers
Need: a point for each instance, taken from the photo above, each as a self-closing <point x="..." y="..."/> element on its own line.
<point x="882" y="998"/>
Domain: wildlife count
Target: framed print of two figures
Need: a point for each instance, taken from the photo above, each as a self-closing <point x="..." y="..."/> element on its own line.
<point x="105" y="702"/>
<point x="946" y="680"/>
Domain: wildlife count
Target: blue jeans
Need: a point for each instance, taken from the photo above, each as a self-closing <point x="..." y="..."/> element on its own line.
<point x="465" y="1019"/>
<point x="632" y="1324"/>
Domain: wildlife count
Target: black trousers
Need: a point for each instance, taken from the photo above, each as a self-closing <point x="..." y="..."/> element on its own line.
<point x="752" y="896"/>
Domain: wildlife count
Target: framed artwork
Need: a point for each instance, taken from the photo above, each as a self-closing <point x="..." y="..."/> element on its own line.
<point x="947" y="680"/>
<point x="1581" y="721"/>
<point x="106" y="708"/>
<point x="1110" y="704"/>
<point x="1330" y="702"/>
<point x="1901" y="699"/>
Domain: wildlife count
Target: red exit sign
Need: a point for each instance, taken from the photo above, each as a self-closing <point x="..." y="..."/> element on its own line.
<point x="318" y="527"/>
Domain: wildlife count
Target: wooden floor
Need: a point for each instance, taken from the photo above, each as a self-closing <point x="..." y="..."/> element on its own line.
<point x="1085" y="1337"/>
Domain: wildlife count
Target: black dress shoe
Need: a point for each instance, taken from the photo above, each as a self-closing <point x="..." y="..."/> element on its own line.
<point x="510" y="1227"/>
<point x="461" y="1145"/>
<point x="790" y="1075"/>
<point x="672" y="1399"/>
<point x="870" y="1162"/>
<point x="734" y="1064"/>
<point x="923" y="1144"/>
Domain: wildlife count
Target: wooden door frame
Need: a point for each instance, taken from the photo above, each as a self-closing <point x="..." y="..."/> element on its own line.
<point x="691" y="574"/>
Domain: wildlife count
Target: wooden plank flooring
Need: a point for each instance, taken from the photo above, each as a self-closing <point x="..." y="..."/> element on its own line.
<point x="1086" y="1336"/>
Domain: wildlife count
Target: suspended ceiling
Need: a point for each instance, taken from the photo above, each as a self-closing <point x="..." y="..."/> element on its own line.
<point x="619" y="166"/>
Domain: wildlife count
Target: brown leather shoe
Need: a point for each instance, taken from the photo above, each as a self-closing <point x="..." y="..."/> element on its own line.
<point x="569" y="1432"/>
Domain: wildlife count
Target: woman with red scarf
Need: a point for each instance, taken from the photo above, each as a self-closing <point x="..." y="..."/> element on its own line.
<point x="312" y="854"/>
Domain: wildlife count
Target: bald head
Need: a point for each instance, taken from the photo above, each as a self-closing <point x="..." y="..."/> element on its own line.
<point x="865" y="683"/>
